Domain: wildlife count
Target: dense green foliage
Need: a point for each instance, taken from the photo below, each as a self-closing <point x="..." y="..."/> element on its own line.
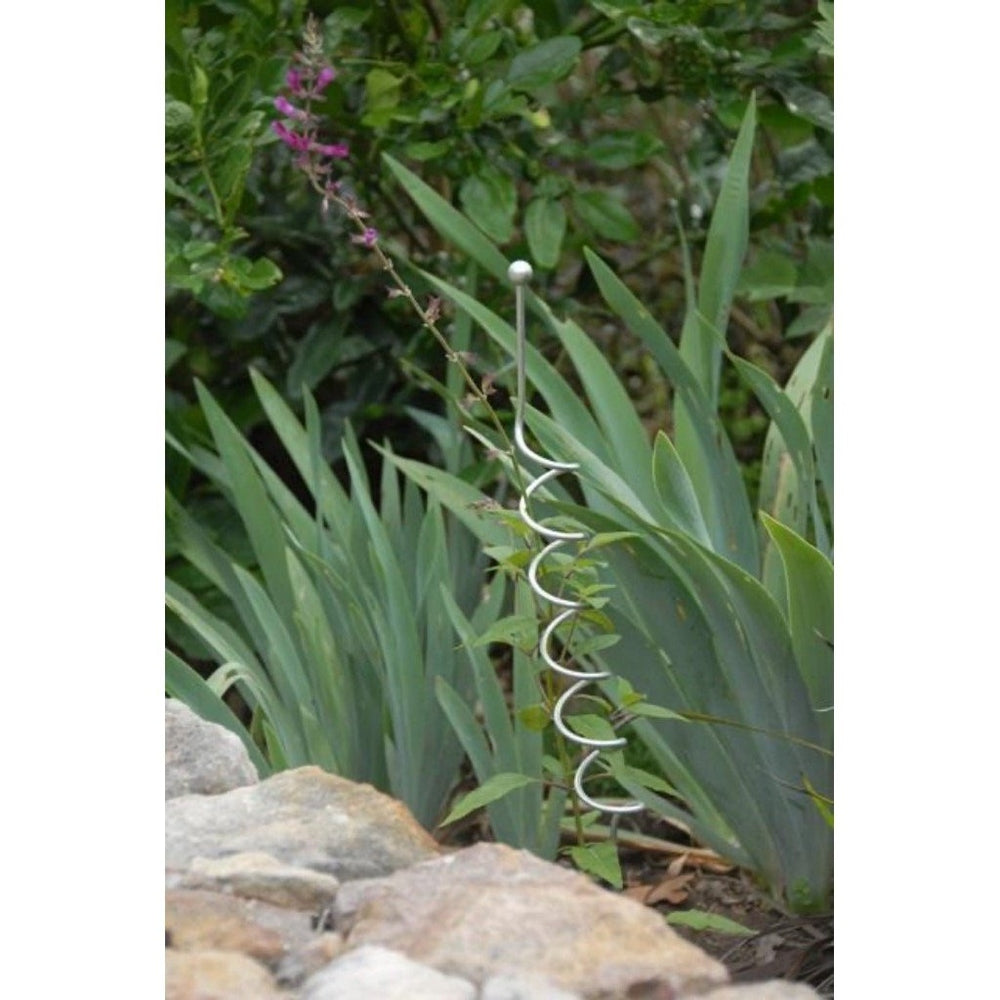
<point x="386" y="632"/>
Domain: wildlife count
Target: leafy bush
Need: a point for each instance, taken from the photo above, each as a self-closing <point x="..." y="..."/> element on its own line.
<point x="337" y="640"/>
<point x="727" y="624"/>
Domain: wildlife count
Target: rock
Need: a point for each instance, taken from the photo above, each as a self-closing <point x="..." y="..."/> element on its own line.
<point x="517" y="987"/>
<point x="301" y="964"/>
<point x="211" y="921"/>
<point x="255" y="875"/>
<point x="489" y="910"/>
<point x="202" y="757"/>
<point x="774" y="989"/>
<point x="218" y="975"/>
<point x="305" y="818"/>
<point x="372" y="973"/>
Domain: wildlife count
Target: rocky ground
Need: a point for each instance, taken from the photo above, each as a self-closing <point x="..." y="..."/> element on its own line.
<point x="306" y="886"/>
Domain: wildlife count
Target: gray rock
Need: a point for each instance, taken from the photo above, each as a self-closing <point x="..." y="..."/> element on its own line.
<point x="255" y="875"/>
<point x="202" y="757"/>
<point x="516" y="987"/>
<point x="373" y="973"/>
<point x="489" y="910"/>
<point x="306" y="818"/>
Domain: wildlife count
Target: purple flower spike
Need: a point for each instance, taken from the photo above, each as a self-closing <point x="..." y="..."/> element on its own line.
<point x="294" y="82"/>
<point x="286" y="107"/>
<point x="290" y="138"/>
<point x="338" y="150"/>
<point x="323" y="80"/>
<point x="368" y="238"/>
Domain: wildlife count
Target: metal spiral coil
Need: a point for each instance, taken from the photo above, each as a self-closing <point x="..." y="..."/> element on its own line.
<point x="520" y="274"/>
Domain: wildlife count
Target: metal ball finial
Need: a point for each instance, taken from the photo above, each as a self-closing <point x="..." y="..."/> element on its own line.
<point x="520" y="272"/>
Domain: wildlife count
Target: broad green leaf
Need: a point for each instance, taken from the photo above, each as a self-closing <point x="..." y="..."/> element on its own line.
<point x="725" y="248"/>
<point x="250" y="498"/>
<point x="495" y="788"/>
<point x="544" y="63"/>
<point x="513" y="630"/>
<point x="720" y="490"/>
<point x="653" y="711"/>
<point x="606" y="215"/>
<point x="535" y="717"/>
<point x="490" y="200"/>
<point x="229" y="172"/>
<point x="644" y="778"/>
<point x="599" y="859"/>
<point x="481" y="47"/>
<point x="621" y="149"/>
<point x="702" y="920"/>
<point x="175" y="350"/>
<point x="382" y="96"/>
<point x="809" y="582"/>
<point x="794" y="433"/>
<point x="821" y="416"/>
<point x="675" y="489"/>
<point x="626" y="439"/>
<point x="179" y="121"/>
<point x="449" y="222"/>
<point x="544" y="228"/>
<point x="813" y="105"/>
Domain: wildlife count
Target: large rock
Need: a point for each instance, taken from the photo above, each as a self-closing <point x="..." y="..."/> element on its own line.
<point x="489" y="910"/>
<point x="202" y="757"/>
<point x="218" y="975"/>
<point x="306" y="818"/>
<point x="211" y="921"/>
<point x="255" y="875"/>
<point x="373" y="973"/>
<point x="773" y="989"/>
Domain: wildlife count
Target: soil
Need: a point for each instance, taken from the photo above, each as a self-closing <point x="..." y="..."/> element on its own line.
<point x="780" y="945"/>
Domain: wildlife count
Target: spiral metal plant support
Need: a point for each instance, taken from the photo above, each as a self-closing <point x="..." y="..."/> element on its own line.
<point x="520" y="274"/>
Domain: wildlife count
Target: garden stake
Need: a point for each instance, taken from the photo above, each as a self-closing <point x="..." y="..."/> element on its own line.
<point x="520" y="273"/>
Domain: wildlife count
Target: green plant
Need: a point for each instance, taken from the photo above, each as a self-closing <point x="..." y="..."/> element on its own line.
<point x="338" y="627"/>
<point x="724" y="621"/>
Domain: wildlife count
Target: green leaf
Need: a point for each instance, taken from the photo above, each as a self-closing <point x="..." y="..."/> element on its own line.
<point x="481" y="47"/>
<point x="809" y="585"/>
<point x="812" y="105"/>
<point x="646" y="779"/>
<point x="185" y="684"/>
<point x="514" y="630"/>
<point x="654" y="711"/>
<point x="175" y="350"/>
<point x="495" y="788"/>
<point x="230" y="173"/>
<point x="490" y="199"/>
<point x="179" y="122"/>
<point x="535" y="717"/>
<point x="544" y="228"/>
<point x="621" y="149"/>
<point x="592" y="727"/>
<point x="599" y="859"/>
<point x="545" y="63"/>
<point x="675" y="489"/>
<point x="449" y="222"/>
<point x="606" y="215"/>
<point x="725" y="247"/>
<point x="423" y="151"/>
<point x="382" y="96"/>
<point x="720" y="491"/>
<point x="701" y="920"/>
